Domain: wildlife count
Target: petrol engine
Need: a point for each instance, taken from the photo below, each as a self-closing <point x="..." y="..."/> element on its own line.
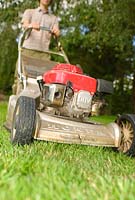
<point x="68" y="91"/>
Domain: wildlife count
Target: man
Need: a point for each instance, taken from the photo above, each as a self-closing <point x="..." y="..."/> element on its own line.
<point x="34" y="18"/>
<point x="38" y="39"/>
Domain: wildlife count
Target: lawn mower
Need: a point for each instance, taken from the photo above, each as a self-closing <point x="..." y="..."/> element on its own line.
<point x="54" y="101"/>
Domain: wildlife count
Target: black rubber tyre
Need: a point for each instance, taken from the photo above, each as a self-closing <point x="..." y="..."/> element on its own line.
<point x="24" y="118"/>
<point x="127" y="125"/>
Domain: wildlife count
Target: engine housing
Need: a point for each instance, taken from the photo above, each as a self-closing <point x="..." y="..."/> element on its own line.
<point x="65" y="101"/>
<point x="71" y="93"/>
<point x="65" y="73"/>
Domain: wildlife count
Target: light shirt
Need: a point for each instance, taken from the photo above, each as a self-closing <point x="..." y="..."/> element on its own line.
<point x="39" y="40"/>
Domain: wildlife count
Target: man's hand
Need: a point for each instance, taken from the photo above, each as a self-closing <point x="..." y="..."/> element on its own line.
<point x="55" y="31"/>
<point x="35" y="26"/>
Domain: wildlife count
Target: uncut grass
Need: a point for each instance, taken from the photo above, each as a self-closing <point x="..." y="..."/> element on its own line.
<point x="45" y="170"/>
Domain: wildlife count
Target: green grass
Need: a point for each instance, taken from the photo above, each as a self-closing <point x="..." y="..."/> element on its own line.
<point x="104" y="119"/>
<point x="51" y="171"/>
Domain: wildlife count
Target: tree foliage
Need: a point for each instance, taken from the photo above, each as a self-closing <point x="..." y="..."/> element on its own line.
<point x="102" y="34"/>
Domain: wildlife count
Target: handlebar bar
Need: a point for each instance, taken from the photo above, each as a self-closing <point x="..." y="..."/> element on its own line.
<point x="44" y="28"/>
<point x="26" y="32"/>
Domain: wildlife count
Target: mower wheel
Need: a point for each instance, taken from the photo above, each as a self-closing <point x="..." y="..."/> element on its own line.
<point x="24" y="119"/>
<point x="127" y="125"/>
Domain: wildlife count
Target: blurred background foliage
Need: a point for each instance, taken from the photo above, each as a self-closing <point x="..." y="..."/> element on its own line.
<point x="97" y="34"/>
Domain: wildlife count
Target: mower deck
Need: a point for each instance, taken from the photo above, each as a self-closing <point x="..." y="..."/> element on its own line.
<point x="56" y="129"/>
<point x="62" y="130"/>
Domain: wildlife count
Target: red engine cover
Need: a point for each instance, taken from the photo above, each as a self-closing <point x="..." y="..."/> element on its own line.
<point x="62" y="73"/>
<point x="68" y="67"/>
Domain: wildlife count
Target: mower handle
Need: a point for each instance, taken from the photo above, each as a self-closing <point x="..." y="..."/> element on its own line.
<point x="60" y="48"/>
<point x="25" y="34"/>
<point x="44" y="28"/>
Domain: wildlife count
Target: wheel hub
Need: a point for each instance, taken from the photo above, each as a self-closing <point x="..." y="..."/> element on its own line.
<point x="127" y="136"/>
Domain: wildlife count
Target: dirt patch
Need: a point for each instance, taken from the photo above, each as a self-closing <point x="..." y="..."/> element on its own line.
<point x="2" y="97"/>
